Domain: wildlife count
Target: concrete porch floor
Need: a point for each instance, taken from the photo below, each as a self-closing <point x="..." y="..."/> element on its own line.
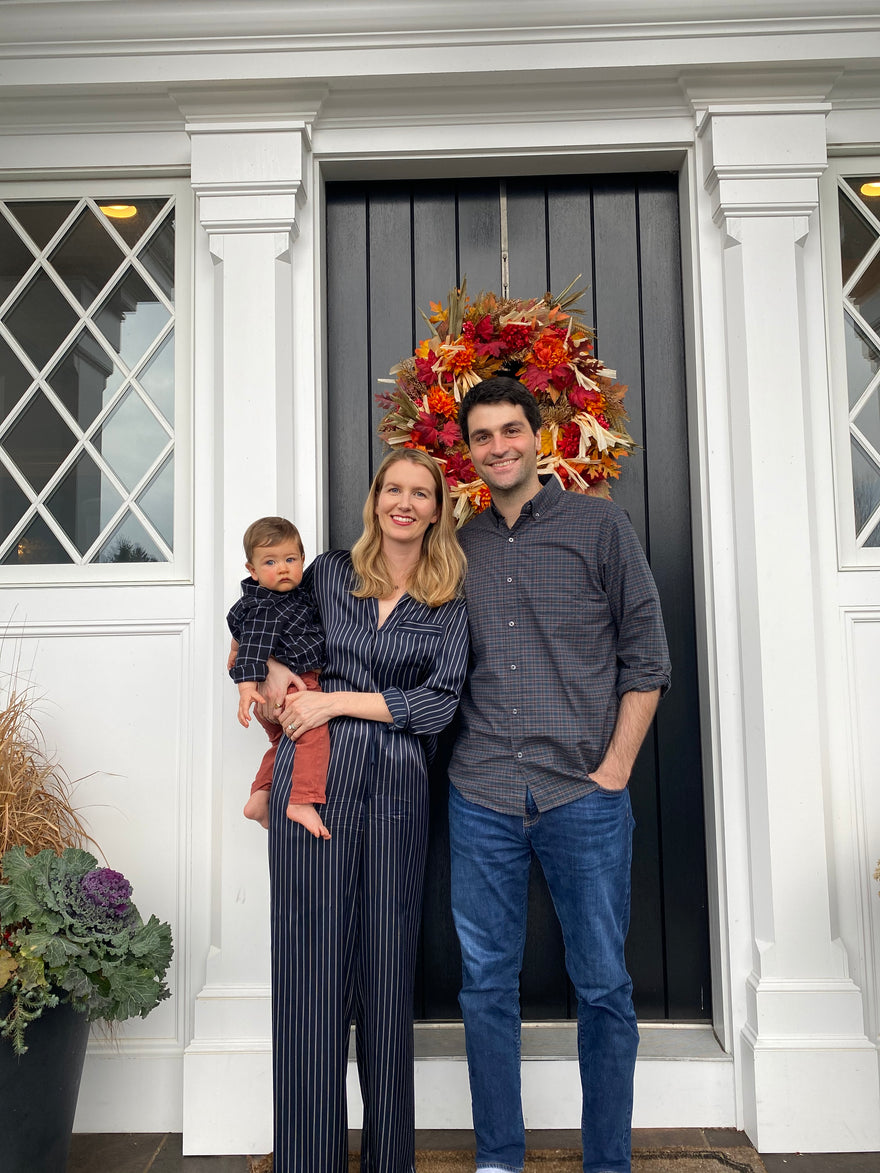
<point x="162" y="1153"/>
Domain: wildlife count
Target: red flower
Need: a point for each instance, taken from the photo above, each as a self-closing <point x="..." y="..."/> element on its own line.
<point x="580" y="396"/>
<point x="515" y="335"/>
<point x="569" y="440"/>
<point x="469" y="331"/>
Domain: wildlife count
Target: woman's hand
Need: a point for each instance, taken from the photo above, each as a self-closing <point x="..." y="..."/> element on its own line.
<point x="274" y="689"/>
<point x="307" y="710"/>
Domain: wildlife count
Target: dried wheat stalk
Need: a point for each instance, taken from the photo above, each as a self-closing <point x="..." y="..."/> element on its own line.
<point x="35" y="806"/>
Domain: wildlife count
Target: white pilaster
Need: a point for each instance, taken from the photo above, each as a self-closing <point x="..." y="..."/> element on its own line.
<point x="251" y="178"/>
<point x="810" y="1079"/>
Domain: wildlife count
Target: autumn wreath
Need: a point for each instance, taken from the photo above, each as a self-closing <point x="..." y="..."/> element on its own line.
<point x="542" y="343"/>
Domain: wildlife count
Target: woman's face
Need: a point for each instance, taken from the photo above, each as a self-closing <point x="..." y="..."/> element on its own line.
<point x="406" y="503"/>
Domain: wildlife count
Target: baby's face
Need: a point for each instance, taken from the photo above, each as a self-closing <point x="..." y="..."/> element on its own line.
<point x="278" y="568"/>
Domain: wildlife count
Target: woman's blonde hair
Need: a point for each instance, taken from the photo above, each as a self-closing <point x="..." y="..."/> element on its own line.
<point x="437" y="577"/>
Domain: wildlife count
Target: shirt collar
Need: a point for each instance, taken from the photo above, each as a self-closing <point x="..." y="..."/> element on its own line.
<point x="550" y="491"/>
<point x="250" y="588"/>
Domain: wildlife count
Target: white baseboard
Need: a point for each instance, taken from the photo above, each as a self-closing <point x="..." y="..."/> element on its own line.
<point x="683" y="1079"/>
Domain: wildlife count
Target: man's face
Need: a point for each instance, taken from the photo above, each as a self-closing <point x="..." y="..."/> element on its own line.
<point x="503" y="447"/>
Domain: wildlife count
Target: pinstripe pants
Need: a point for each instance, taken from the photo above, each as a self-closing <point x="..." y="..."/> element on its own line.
<point x="345" y="924"/>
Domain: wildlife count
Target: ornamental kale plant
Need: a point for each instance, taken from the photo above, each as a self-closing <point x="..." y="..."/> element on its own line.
<point x="70" y="933"/>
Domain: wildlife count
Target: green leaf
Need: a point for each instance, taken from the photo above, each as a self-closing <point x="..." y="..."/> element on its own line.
<point x="55" y="950"/>
<point x="153" y="944"/>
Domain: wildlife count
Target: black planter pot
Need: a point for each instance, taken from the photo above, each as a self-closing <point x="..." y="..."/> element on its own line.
<point x="38" y="1091"/>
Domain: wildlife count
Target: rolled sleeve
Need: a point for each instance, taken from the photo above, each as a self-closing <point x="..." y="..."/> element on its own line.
<point x="642" y="652"/>
<point x="395" y="699"/>
<point x="430" y="706"/>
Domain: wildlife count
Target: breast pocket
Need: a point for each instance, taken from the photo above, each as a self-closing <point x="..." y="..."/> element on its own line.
<point x="415" y="645"/>
<point x="425" y="629"/>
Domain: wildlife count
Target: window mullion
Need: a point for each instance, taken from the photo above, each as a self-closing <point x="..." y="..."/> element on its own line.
<point x="90" y="401"/>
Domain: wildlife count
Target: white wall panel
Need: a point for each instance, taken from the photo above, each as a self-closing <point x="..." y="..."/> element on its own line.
<point x="111" y="703"/>
<point x="864" y="649"/>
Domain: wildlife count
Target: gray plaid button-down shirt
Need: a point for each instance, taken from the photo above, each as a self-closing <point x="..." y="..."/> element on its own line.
<point x="564" y="619"/>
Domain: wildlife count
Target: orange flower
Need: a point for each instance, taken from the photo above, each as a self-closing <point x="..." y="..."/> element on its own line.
<point x="479" y="496"/>
<point x="460" y="356"/>
<point x="549" y="351"/>
<point x="442" y="403"/>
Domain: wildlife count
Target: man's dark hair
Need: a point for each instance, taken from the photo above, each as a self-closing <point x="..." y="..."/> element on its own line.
<point x="499" y="389"/>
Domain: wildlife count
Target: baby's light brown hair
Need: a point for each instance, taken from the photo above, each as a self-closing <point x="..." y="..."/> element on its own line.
<point x="270" y="531"/>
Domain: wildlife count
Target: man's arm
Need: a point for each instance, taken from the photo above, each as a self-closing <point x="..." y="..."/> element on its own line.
<point x="634" y="719"/>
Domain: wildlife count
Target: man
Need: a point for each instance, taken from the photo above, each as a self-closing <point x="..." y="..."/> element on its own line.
<point x="569" y="659"/>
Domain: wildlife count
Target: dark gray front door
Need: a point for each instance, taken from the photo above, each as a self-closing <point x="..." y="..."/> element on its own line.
<point x="392" y="249"/>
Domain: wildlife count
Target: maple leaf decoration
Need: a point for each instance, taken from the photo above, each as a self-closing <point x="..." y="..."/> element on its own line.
<point x="539" y="341"/>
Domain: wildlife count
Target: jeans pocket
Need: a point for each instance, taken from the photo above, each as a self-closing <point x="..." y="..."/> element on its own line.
<point x="604" y="791"/>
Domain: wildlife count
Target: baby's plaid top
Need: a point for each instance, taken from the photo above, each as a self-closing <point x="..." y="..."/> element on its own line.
<point x="564" y="619"/>
<point x="282" y="624"/>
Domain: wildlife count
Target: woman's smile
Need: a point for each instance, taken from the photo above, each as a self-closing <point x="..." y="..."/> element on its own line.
<point x="406" y="504"/>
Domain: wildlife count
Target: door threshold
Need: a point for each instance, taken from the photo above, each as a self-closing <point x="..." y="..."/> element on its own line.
<point x="558" y="1040"/>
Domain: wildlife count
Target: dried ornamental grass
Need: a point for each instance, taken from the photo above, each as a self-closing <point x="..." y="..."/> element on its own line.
<point x="35" y="807"/>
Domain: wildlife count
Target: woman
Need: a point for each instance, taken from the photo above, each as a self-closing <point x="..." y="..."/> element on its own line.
<point x="345" y="911"/>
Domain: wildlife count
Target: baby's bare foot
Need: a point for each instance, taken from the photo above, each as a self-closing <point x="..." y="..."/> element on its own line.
<point x="257" y="808"/>
<point x="305" y="813"/>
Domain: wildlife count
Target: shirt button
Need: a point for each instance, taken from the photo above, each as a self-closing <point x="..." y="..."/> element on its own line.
<point x="514" y="711"/>
<point x="513" y="667"/>
<point x="510" y="539"/>
<point x="510" y="580"/>
<point x="510" y="623"/>
<point x="519" y="755"/>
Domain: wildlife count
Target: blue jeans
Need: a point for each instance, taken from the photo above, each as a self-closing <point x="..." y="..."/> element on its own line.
<point x="585" y="849"/>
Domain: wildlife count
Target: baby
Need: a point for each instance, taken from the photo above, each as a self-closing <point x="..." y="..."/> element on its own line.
<point x="276" y="617"/>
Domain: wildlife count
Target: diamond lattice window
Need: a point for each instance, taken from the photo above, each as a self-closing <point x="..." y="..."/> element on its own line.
<point x="859" y="216"/>
<point x="86" y="381"/>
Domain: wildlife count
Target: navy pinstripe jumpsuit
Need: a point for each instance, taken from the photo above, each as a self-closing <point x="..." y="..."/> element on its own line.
<point x="345" y="912"/>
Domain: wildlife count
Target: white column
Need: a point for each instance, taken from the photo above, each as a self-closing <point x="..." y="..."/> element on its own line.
<point x="251" y="177"/>
<point x="809" y="1073"/>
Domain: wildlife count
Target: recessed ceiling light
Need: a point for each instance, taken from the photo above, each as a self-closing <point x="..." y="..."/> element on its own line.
<point x="871" y="188"/>
<point x="119" y="211"/>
